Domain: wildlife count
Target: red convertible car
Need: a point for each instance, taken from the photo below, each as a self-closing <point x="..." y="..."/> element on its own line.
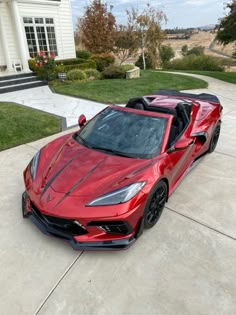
<point x="99" y="187"/>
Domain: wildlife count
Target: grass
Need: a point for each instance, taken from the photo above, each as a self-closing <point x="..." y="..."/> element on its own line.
<point x="229" y="77"/>
<point x="119" y="90"/>
<point x="19" y="125"/>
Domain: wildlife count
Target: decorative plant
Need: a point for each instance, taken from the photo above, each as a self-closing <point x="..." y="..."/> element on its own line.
<point x="44" y="64"/>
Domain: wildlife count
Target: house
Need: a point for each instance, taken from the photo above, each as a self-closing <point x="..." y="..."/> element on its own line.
<point x="30" y="26"/>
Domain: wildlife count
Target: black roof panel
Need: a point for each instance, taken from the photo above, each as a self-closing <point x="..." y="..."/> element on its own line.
<point x="202" y="96"/>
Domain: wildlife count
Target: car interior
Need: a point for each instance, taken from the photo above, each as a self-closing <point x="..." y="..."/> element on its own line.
<point x="181" y="113"/>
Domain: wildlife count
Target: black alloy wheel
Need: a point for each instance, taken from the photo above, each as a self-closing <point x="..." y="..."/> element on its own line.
<point x="214" y="138"/>
<point x="155" y="205"/>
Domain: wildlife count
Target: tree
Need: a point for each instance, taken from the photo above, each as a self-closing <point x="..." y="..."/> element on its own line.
<point x="184" y="50"/>
<point x="197" y="51"/>
<point x="98" y="28"/>
<point x="147" y="26"/>
<point x="227" y="26"/>
<point x="166" y="53"/>
<point x="78" y="35"/>
<point x="148" y="62"/>
<point x="126" y="43"/>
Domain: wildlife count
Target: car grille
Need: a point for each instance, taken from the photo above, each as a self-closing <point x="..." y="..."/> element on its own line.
<point x="114" y="227"/>
<point x="71" y="227"/>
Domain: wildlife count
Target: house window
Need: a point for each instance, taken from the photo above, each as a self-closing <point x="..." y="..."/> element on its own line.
<point x="40" y="35"/>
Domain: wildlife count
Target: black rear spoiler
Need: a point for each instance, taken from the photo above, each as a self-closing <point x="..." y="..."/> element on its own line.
<point x="202" y="96"/>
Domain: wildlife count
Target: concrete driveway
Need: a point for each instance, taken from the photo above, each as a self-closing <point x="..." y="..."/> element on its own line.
<point x="42" y="98"/>
<point x="184" y="265"/>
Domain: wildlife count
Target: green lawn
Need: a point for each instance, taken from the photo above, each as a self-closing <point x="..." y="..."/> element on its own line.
<point x="224" y="76"/>
<point x="20" y="125"/>
<point x="119" y="90"/>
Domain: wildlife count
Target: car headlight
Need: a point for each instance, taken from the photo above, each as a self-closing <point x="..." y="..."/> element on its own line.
<point x="34" y="165"/>
<point x="118" y="196"/>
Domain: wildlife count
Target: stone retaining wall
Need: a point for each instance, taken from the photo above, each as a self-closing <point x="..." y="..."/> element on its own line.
<point x="133" y="74"/>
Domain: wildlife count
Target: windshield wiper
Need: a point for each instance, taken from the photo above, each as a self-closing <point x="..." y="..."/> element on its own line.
<point x="77" y="136"/>
<point x="88" y="145"/>
<point x="115" y="152"/>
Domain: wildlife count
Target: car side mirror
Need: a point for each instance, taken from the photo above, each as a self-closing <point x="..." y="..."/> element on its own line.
<point x="82" y="120"/>
<point x="182" y="144"/>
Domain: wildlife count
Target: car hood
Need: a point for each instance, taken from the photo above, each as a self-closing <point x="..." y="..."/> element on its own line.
<point x="76" y="170"/>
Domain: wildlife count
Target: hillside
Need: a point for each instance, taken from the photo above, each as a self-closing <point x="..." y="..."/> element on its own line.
<point x="200" y="39"/>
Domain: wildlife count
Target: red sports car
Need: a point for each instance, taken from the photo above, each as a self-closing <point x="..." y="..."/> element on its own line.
<point x="99" y="187"/>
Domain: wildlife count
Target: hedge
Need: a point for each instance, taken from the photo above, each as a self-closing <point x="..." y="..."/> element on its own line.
<point x="114" y="72"/>
<point x="90" y="64"/>
<point x="84" y="54"/>
<point x="103" y="61"/>
<point x="74" y="61"/>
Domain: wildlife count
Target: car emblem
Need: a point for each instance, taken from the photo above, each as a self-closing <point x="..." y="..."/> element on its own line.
<point x="49" y="198"/>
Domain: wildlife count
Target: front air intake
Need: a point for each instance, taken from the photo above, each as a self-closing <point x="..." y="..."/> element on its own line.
<point x="114" y="227"/>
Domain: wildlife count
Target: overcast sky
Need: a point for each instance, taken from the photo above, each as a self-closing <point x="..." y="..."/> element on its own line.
<point x="180" y="13"/>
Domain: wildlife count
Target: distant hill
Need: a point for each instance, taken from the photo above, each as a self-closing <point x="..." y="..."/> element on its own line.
<point x="198" y="38"/>
<point x="207" y="27"/>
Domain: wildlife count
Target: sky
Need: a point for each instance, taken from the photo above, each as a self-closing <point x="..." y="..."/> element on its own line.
<point x="180" y="13"/>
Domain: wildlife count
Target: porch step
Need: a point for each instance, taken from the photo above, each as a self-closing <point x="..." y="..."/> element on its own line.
<point x="16" y="76"/>
<point x="22" y="86"/>
<point x="22" y="81"/>
<point x="16" y="81"/>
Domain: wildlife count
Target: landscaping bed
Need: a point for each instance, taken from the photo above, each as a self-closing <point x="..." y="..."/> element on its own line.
<point x="19" y="125"/>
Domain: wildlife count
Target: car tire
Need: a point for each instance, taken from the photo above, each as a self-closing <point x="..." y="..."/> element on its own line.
<point x="23" y="202"/>
<point x="214" y="138"/>
<point x="155" y="205"/>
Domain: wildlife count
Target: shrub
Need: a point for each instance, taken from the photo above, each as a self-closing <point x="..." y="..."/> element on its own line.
<point x="73" y="61"/>
<point x="148" y="59"/>
<point x="103" y="61"/>
<point x="197" y="51"/>
<point x="166" y="53"/>
<point x="234" y="55"/>
<point x="43" y="64"/>
<point x="192" y="62"/>
<point x="54" y="73"/>
<point x="31" y="63"/>
<point x="127" y="67"/>
<point x="226" y="62"/>
<point x="90" y="64"/>
<point x="76" y="74"/>
<point x="114" y="72"/>
<point x="184" y="50"/>
<point x="92" y="73"/>
<point x="84" y="54"/>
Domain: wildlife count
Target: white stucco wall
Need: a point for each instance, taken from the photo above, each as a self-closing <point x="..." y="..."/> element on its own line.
<point x="59" y="11"/>
<point x="7" y="20"/>
<point x="62" y="16"/>
<point x="2" y="59"/>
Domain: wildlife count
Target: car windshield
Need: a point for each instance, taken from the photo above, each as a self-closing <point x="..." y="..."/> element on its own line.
<point x="124" y="133"/>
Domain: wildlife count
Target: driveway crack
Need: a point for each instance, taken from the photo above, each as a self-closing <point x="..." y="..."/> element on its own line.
<point x="226" y="154"/>
<point x="57" y="283"/>
<point x="201" y="223"/>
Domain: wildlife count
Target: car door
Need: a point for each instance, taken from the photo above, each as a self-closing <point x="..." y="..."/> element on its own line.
<point x="180" y="159"/>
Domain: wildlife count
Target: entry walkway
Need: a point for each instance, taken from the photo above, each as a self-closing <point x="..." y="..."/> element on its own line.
<point x="44" y="99"/>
